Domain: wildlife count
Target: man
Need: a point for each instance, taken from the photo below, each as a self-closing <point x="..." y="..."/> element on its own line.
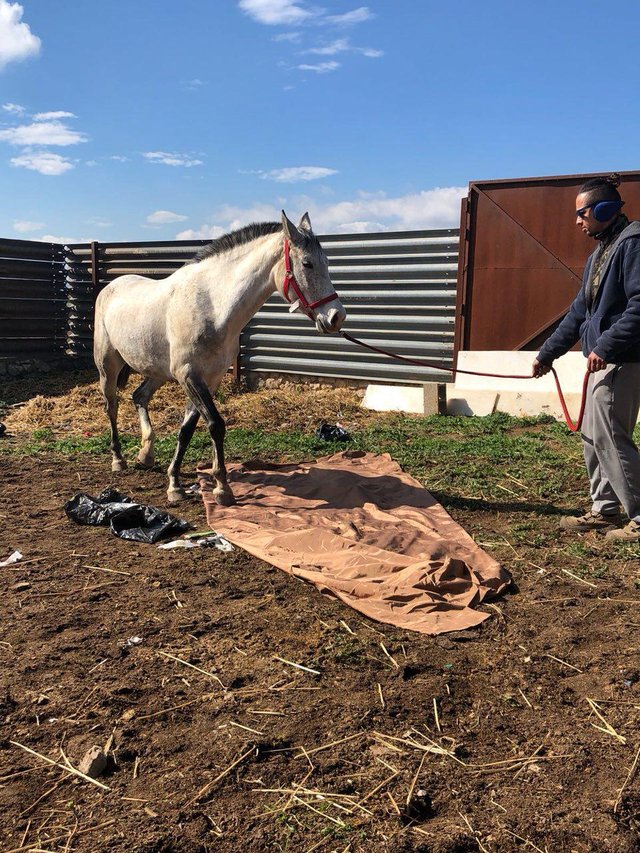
<point x="606" y="317"/>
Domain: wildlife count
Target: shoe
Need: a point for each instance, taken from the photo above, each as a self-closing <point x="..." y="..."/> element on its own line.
<point x="629" y="533"/>
<point x="590" y="521"/>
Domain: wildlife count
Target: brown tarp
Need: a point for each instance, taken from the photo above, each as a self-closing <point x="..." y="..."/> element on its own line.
<point x="361" y="529"/>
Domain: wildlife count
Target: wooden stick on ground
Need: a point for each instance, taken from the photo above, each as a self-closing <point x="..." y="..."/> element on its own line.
<point x="392" y="659"/>
<point x="328" y="745"/>
<point x="67" y="769"/>
<point x="630" y="776"/>
<point x="415" y="779"/>
<point x="607" y="728"/>
<point x="192" y="666"/>
<point x="31" y="849"/>
<point x="375" y="790"/>
<point x="206" y="788"/>
<point x="298" y="665"/>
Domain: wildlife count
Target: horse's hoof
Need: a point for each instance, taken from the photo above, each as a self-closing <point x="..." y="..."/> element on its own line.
<point x="118" y="465"/>
<point x="224" y="498"/>
<point x="146" y="461"/>
<point x="176" y="496"/>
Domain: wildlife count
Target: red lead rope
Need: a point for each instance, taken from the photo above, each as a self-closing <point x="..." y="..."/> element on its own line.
<point x="574" y="427"/>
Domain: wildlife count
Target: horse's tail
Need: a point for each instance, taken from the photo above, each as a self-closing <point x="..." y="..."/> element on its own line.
<point x="123" y="376"/>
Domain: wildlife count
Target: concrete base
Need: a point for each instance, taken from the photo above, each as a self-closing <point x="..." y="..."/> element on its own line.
<point x="482" y="395"/>
<point x="427" y="399"/>
<point x="394" y="398"/>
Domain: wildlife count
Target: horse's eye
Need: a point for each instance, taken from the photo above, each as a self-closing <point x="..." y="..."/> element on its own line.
<point x="307" y="265"/>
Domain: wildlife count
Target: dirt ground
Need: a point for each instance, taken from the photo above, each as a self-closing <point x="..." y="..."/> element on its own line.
<point x="518" y="735"/>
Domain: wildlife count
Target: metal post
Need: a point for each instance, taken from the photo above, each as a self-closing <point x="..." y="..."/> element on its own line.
<point x="95" y="276"/>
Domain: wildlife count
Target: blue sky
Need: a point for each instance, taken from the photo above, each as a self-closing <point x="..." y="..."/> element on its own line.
<point x="143" y="120"/>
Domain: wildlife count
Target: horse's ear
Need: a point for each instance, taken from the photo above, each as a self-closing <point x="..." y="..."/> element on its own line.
<point x="305" y="223"/>
<point x="290" y="230"/>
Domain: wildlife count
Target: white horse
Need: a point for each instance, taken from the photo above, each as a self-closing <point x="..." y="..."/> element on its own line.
<point x="186" y="328"/>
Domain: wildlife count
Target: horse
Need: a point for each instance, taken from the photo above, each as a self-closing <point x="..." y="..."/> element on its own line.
<point x="186" y="329"/>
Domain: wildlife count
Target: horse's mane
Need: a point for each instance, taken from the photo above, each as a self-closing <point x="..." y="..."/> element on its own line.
<point x="242" y="236"/>
<point x="236" y="238"/>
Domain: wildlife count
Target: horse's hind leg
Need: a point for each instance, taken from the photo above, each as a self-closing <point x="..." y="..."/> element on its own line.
<point x="141" y="397"/>
<point x="191" y="417"/>
<point x="109" y="387"/>
<point x="200" y="396"/>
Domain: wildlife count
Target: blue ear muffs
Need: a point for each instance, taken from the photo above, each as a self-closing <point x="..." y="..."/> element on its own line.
<point x="605" y="210"/>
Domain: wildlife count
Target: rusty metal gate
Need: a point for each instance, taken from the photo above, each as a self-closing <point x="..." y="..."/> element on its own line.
<point x="521" y="258"/>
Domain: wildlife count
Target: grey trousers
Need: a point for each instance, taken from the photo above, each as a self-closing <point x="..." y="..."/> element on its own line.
<point x="611" y="456"/>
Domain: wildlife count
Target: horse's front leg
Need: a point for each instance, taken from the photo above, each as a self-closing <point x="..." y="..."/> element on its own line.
<point x="175" y="492"/>
<point x="201" y="398"/>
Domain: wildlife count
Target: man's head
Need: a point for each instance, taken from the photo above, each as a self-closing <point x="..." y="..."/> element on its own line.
<point x="598" y="203"/>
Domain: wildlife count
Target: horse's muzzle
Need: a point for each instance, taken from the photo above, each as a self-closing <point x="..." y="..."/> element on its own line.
<point x="330" y="321"/>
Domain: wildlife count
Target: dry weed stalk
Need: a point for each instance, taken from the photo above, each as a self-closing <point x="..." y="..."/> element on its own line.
<point x="67" y="768"/>
<point x="627" y="781"/>
<point x="607" y="728"/>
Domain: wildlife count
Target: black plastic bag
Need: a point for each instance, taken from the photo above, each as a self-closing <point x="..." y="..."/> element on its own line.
<point x="127" y="519"/>
<point x="332" y="432"/>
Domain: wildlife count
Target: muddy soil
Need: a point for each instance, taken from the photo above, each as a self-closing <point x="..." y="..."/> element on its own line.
<point x="518" y="735"/>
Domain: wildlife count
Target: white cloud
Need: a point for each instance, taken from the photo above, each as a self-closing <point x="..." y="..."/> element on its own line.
<point x="119" y="158"/>
<point x="292" y="37"/>
<point x="206" y="232"/>
<point x="337" y="46"/>
<point x="368" y="212"/>
<point x="357" y="16"/>
<point x="276" y="12"/>
<point x="42" y="133"/>
<point x="294" y="12"/>
<point x="293" y="174"/>
<point x="56" y="114"/>
<point x="171" y="159"/>
<point x="45" y="162"/>
<point x="321" y="67"/>
<point x="341" y="46"/>
<point x="23" y="227"/>
<point x="164" y="217"/>
<point x="228" y="218"/>
<point x="17" y="42"/>
<point x="436" y="208"/>
<point x="65" y="241"/>
<point x="13" y="108"/>
<point x="363" y="227"/>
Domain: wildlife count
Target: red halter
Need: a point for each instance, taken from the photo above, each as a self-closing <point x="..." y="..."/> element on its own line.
<point x="290" y="281"/>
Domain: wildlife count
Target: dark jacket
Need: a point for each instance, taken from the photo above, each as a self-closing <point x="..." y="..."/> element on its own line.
<point x="611" y="326"/>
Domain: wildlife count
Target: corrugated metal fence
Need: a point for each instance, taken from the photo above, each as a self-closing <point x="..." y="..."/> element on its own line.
<point x="32" y="299"/>
<point x="399" y="290"/>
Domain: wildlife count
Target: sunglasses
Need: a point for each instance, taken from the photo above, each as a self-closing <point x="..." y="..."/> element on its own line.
<point x="583" y="210"/>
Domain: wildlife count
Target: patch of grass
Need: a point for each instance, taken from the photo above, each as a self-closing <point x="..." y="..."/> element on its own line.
<point x="496" y="459"/>
<point x="344" y="649"/>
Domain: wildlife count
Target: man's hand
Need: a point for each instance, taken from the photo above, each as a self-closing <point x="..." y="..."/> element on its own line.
<point x="595" y="363"/>
<point x="538" y="369"/>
